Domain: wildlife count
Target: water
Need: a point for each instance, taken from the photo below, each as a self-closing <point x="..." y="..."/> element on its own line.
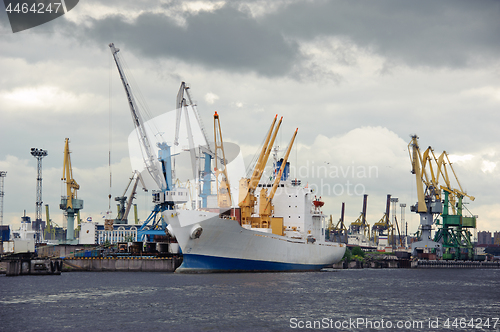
<point x="123" y="301"/>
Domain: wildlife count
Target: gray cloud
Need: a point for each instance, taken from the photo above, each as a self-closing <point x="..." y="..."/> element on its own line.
<point x="225" y="39"/>
<point x="425" y="33"/>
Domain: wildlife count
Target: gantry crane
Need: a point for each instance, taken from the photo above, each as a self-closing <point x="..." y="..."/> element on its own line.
<point x="247" y="196"/>
<point x="205" y="149"/>
<point x="338" y="233"/>
<point x="383" y="227"/>
<point x="149" y="159"/>
<point x="124" y="204"/>
<point x="360" y="226"/>
<point x="224" y="191"/>
<point x="70" y="203"/>
<point x="454" y="230"/>
<point x="167" y="196"/>
<point x="429" y="198"/>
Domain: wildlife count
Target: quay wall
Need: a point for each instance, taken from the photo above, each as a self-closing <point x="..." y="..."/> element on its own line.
<point x="125" y="264"/>
<point x="425" y="264"/>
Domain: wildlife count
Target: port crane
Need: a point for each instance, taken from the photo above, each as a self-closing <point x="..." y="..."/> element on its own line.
<point x="383" y="227"/>
<point x="124" y="203"/>
<point x="454" y="228"/>
<point x="360" y="227"/>
<point x="184" y="102"/>
<point x="70" y="203"/>
<point x="429" y="198"/>
<point x="167" y="196"/>
<point x="338" y="233"/>
<point x="148" y="156"/>
<point x="224" y="191"/>
<point x="453" y="234"/>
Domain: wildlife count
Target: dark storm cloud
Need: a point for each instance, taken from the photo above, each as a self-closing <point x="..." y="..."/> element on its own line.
<point x="226" y="39"/>
<point x="423" y="33"/>
<point x="435" y="34"/>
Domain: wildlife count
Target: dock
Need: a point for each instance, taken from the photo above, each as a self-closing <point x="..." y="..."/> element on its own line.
<point x="442" y="264"/>
<point x="122" y="264"/>
<point x="17" y="266"/>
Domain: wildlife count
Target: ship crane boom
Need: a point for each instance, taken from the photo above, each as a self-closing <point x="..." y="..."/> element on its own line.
<point x="248" y="186"/>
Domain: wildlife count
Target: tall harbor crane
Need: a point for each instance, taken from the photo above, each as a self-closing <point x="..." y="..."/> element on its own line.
<point x="70" y="203"/>
<point x="147" y="152"/>
<point x="182" y="108"/>
<point x="454" y="228"/>
<point x="224" y="191"/>
<point x="383" y="229"/>
<point x="429" y="198"/>
<point x="453" y="234"/>
<point x="124" y="204"/>
<point x="167" y="196"/>
<point x="338" y="232"/>
<point x="360" y="227"/>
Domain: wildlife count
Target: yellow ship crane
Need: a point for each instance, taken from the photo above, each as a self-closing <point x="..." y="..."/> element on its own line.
<point x="247" y="186"/>
<point x="224" y="191"/>
<point x="70" y="203"/>
<point x="266" y="207"/>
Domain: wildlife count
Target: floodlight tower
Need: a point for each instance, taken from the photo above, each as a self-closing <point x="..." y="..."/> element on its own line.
<point x="403" y="221"/>
<point x="394" y="200"/>
<point x="38" y="154"/>
<point x="2" y="176"/>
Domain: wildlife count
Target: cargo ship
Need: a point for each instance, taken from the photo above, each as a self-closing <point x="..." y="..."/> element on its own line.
<point x="214" y="242"/>
<point x="277" y="226"/>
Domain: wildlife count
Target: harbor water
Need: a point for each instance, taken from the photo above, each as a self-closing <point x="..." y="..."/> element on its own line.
<point x="342" y="300"/>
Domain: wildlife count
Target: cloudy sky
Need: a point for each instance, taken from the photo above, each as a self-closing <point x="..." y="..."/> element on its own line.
<point x="356" y="78"/>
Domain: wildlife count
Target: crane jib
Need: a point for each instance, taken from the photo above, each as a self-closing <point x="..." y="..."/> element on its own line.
<point x="149" y="158"/>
